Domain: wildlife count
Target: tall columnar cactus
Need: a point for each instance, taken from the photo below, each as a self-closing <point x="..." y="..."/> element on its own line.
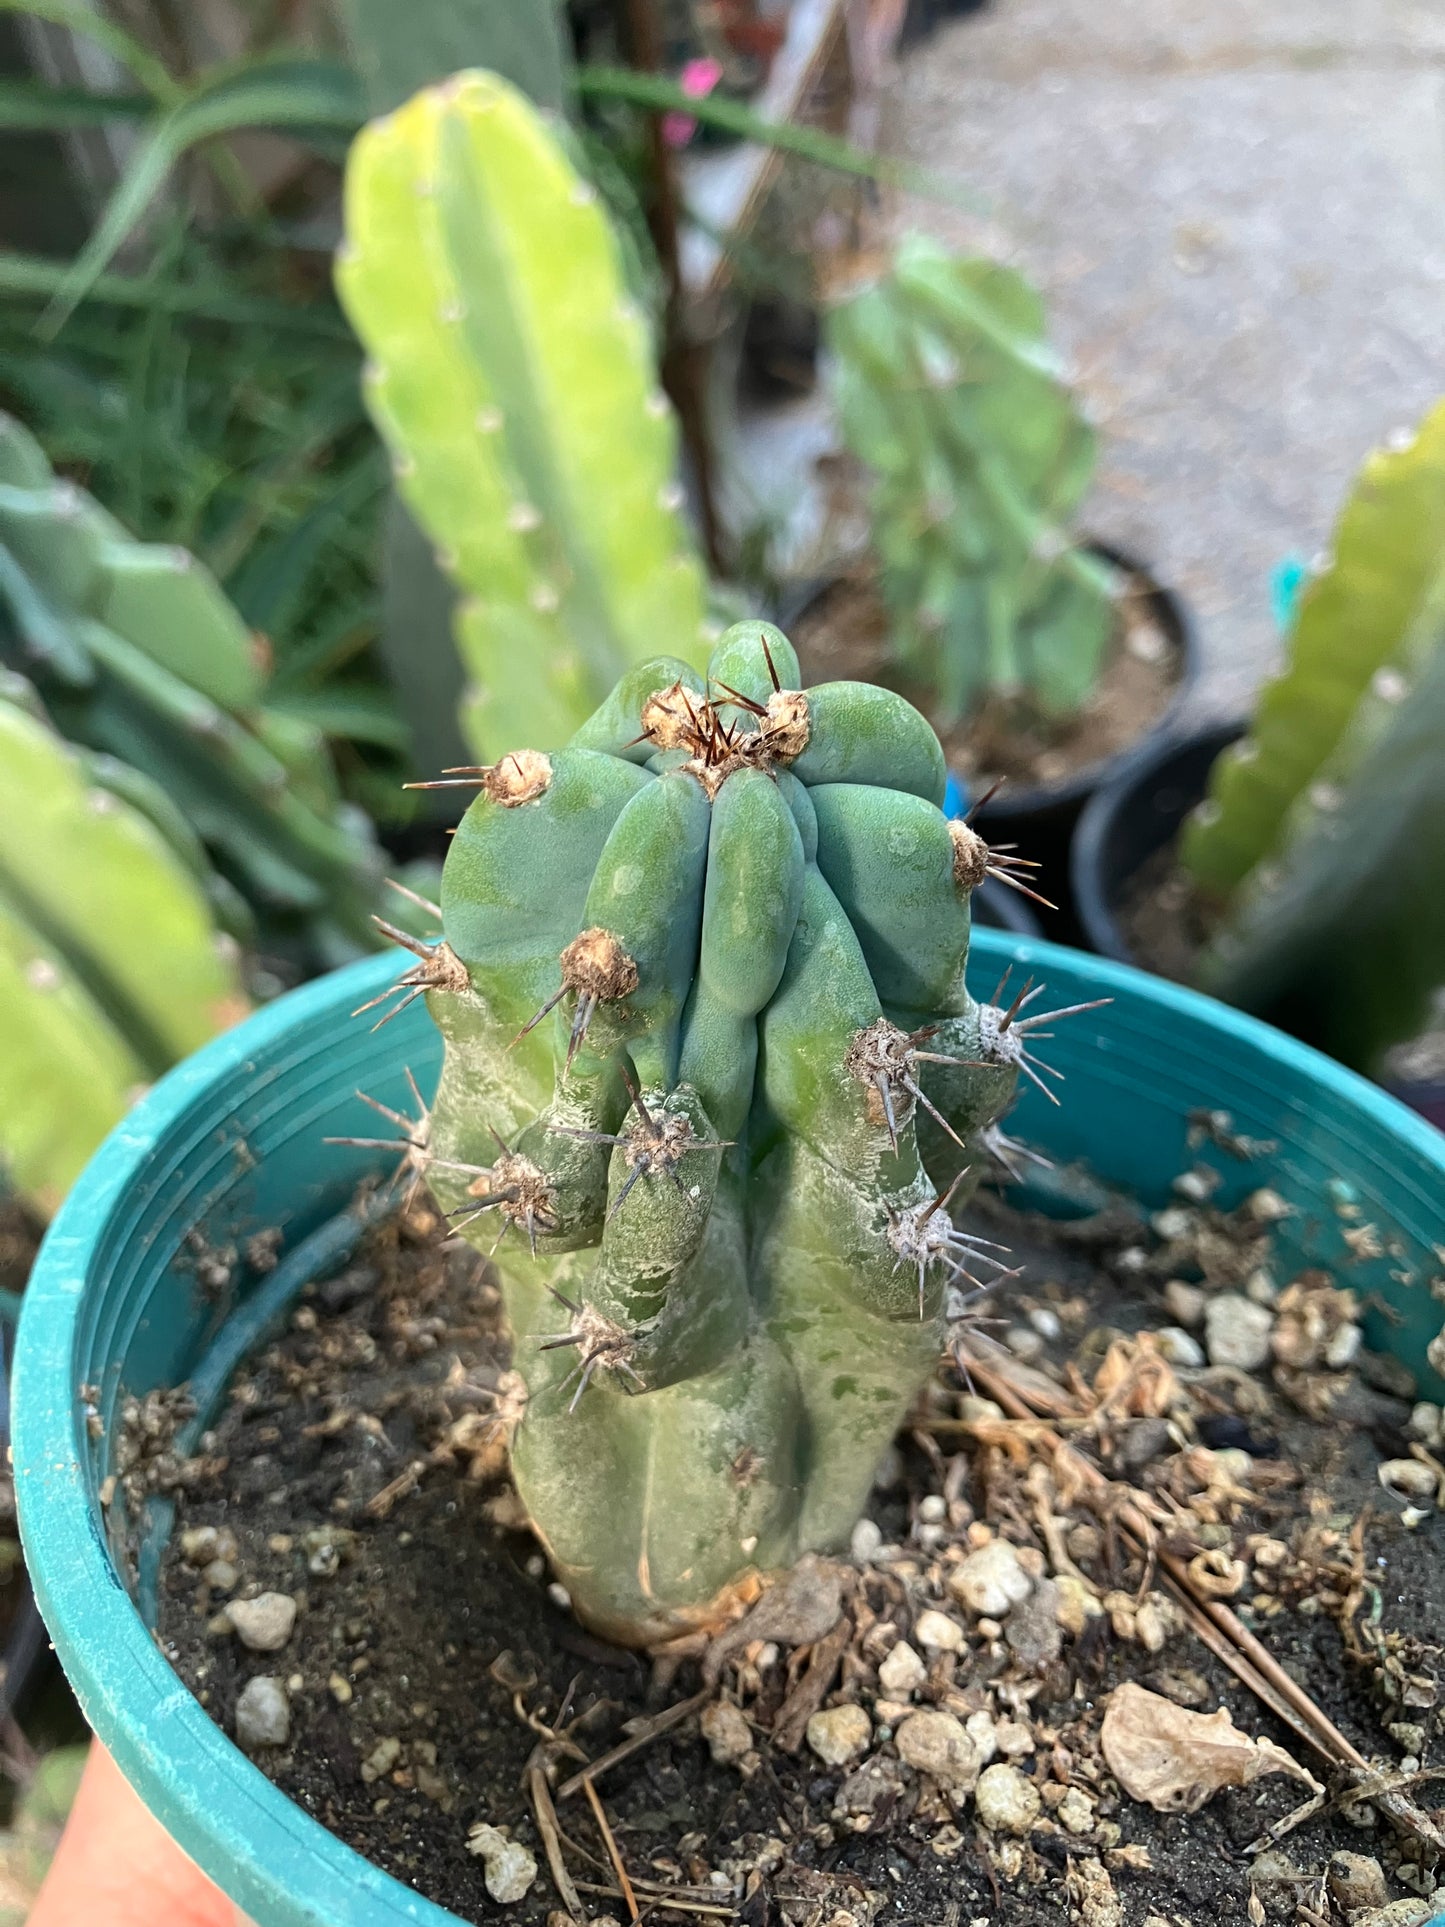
<point x="139" y="655"/>
<point x="712" y="1081"/>
<point x="950" y="395"/>
<point x="515" y="384"/>
<point x="1323" y="835"/>
<point x="110" y="966"/>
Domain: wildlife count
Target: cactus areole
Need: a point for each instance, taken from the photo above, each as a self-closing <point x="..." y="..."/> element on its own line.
<point x="712" y="1081"/>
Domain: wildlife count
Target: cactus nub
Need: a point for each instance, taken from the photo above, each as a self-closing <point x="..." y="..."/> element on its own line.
<point x="709" y="1049"/>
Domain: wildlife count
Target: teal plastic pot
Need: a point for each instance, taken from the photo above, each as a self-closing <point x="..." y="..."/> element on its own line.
<point x="232" y="1142"/>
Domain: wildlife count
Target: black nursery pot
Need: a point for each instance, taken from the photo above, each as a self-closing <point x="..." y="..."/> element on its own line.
<point x="1129" y="819"/>
<point x="1040" y="820"/>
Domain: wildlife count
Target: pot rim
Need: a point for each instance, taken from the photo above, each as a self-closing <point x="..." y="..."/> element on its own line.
<point x="272" y="1858"/>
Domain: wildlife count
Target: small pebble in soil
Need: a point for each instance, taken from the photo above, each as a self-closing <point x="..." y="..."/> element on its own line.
<point x="1186" y="1302"/>
<point x="325" y="1548"/>
<point x="902" y="1672"/>
<point x="1033" y="1632"/>
<point x="264" y="1623"/>
<point x="938" y="1633"/>
<point x="1142" y="1442"/>
<point x="981" y="1729"/>
<point x="1426" y="1422"/>
<point x="263" y="1714"/>
<point x="1236" y="1332"/>
<point x="1077" y="1605"/>
<point x="937" y="1744"/>
<point x="971" y="1406"/>
<point x="839" y="1734"/>
<point x="1013" y="1738"/>
<point x="1267" y="1207"/>
<point x="728" y="1735"/>
<point x="381" y="1759"/>
<point x="1008" y="1801"/>
<point x="1409" y="1912"/>
<point x="1075" y="1812"/>
<point x="990" y="1580"/>
<point x="200" y="1545"/>
<point x="509" y="1868"/>
<point x="866" y="1541"/>
<point x="1357" y="1880"/>
<point x="1180" y="1347"/>
<point x="1408" y="1477"/>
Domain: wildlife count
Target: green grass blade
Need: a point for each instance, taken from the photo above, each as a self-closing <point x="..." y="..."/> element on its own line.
<point x="659" y="95"/>
<point x="32" y="107"/>
<point x="285" y="93"/>
<point x="28" y="275"/>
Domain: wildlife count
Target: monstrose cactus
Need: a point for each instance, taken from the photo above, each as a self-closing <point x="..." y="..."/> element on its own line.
<point x="1322" y="840"/>
<point x="712" y="1082"/>
<point x="950" y="395"/>
<point x="515" y="383"/>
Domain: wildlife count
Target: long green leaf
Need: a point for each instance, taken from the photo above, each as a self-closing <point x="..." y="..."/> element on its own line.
<point x="659" y="95"/>
<point x="32" y="107"/>
<point x="362" y="714"/>
<point x="283" y="93"/>
<point x="32" y="275"/>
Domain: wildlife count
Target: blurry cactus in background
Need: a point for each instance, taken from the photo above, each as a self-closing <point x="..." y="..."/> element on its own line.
<point x="111" y="964"/>
<point x="978" y="454"/>
<point x="1322" y="839"/>
<point x="139" y="657"/>
<point x="514" y="381"/>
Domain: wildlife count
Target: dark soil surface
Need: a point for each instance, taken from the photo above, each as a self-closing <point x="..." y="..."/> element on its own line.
<point x="845" y="635"/>
<point x="358" y="1470"/>
<point x="1164" y="918"/>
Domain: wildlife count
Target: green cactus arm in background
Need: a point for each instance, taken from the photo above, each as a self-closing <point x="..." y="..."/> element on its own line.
<point x="142" y="659"/>
<point x="514" y="382"/>
<point x="161" y="600"/>
<point x="1358" y="621"/>
<point x="1340" y="935"/>
<point x="950" y="395"/>
<point x="712" y="1083"/>
<point x="110" y="965"/>
<point x="66" y="1074"/>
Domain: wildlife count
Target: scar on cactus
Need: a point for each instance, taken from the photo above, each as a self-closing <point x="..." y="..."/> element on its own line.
<point x="711" y="1056"/>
